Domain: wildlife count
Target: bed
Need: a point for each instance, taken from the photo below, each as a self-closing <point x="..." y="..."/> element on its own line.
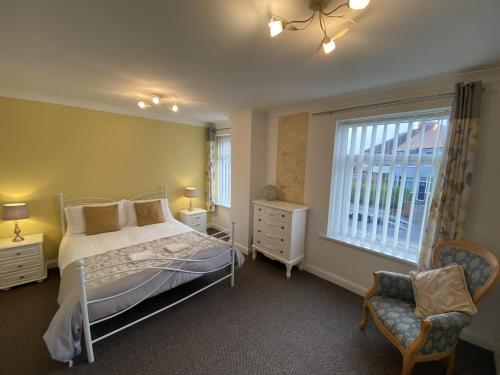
<point x="104" y="275"/>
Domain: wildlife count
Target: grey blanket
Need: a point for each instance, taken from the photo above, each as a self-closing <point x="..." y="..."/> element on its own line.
<point x="63" y="337"/>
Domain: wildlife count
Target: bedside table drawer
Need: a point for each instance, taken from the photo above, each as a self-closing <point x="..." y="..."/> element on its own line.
<point x="22" y="276"/>
<point x="20" y="252"/>
<point x="20" y="264"/>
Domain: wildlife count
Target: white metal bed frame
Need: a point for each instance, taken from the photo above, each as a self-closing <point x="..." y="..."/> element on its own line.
<point x="83" y="277"/>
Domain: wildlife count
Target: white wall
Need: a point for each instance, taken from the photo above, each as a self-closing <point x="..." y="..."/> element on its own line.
<point x="248" y="169"/>
<point x="353" y="268"/>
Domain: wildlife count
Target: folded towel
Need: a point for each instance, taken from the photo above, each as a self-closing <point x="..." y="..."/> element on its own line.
<point x="147" y="254"/>
<point x="176" y="247"/>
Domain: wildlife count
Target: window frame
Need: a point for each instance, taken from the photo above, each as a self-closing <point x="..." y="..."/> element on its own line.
<point x="217" y="202"/>
<point x="340" y="168"/>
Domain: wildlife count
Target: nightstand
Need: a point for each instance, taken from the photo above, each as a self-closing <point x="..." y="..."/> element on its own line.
<point x="196" y="219"/>
<point x="21" y="262"/>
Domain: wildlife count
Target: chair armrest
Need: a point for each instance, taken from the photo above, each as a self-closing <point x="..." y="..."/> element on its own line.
<point x="392" y="285"/>
<point x="444" y="332"/>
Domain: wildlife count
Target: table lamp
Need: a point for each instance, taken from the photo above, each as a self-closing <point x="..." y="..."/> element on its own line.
<point x="190" y="192"/>
<point x="15" y="212"/>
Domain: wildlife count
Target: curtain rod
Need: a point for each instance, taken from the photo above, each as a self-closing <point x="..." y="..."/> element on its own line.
<point x="222" y="129"/>
<point x="392" y="102"/>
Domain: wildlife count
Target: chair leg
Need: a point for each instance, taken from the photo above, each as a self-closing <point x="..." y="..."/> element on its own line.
<point x="408" y="363"/>
<point x="451" y="363"/>
<point x="366" y="311"/>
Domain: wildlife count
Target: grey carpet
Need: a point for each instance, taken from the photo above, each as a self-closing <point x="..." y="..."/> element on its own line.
<point x="265" y="325"/>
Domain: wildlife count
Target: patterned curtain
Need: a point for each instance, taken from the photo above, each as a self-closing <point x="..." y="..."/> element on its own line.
<point x="210" y="169"/>
<point x="453" y="183"/>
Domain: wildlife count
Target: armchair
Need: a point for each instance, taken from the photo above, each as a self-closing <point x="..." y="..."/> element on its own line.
<point x="391" y="303"/>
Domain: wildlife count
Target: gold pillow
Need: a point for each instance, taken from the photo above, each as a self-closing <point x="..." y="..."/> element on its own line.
<point x="101" y="219"/>
<point x="441" y="290"/>
<point x="149" y="213"/>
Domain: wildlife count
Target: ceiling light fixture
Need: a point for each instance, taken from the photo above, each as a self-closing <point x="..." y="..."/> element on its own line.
<point x="156" y="99"/>
<point x="319" y="7"/>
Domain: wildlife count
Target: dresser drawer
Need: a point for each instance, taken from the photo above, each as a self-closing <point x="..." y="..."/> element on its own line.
<point x="20" y="264"/>
<point x="271" y="215"/>
<point x="272" y="245"/>
<point x="20" y="252"/>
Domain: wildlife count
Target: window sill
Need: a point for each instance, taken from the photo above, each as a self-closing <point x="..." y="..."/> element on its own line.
<point x="367" y="250"/>
<point x="222" y="205"/>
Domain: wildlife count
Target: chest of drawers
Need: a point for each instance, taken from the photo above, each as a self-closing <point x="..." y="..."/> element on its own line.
<point x="279" y="231"/>
<point x="21" y="262"/>
<point x="196" y="219"/>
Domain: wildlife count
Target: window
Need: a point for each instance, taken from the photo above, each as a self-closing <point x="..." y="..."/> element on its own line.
<point x="383" y="173"/>
<point x="223" y="170"/>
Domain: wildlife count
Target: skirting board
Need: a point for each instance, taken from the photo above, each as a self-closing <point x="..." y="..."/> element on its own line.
<point x="52" y="263"/>
<point x="466" y="335"/>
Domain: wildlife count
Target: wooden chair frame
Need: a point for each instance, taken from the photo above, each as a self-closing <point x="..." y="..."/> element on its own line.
<point x="409" y="353"/>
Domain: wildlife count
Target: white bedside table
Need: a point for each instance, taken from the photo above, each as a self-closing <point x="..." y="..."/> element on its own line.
<point x="196" y="219"/>
<point x="21" y="262"/>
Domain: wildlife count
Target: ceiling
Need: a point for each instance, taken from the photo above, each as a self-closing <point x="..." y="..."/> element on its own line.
<point x="217" y="56"/>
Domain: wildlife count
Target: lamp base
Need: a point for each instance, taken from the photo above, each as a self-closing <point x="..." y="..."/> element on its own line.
<point x="190" y="204"/>
<point x="17" y="232"/>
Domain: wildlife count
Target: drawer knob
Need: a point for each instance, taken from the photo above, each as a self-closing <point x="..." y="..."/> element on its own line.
<point x="260" y="220"/>
<point x="19" y="265"/>
<point x="282" y="215"/>
<point x="258" y="241"/>
<point x="18" y="253"/>
<point x="260" y="209"/>
<point x="282" y="227"/>
<point x="258" y="230"/>
<point x="281" y="251"/>
<point x="282" y="240"/>
<point x="21" y="277"/>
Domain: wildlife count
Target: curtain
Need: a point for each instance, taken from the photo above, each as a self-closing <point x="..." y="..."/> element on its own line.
<point x="453" y="183"/>
<point x="210" y="169"/>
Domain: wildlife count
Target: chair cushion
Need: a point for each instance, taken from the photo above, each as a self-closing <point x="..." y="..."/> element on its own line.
<point x="398" y="316"/>
<point x="441" y="290"/>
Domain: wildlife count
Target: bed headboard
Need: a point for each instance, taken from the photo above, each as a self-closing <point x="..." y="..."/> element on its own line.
<point x="62" y="202"/>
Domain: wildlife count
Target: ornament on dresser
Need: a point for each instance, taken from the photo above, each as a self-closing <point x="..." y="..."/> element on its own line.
<point x="270" y="192"/>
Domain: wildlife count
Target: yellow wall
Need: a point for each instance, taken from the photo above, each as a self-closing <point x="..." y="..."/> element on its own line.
<point x="46" y="149"/>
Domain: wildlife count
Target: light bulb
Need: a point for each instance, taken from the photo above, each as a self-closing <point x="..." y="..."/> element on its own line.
<point x="174" y="107"/>
<point x="275" y="27"/>
<point x="155" y="99"/>
<point x="358" y="4"/>
<point x="141" y="104"/>
<point x="328" y="46"/>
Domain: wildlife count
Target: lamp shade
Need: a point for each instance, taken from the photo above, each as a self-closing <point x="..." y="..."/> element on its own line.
<point x="190" y="192"/>
<point x="15" y="211"/>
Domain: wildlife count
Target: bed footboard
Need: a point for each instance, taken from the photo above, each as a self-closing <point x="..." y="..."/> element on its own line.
<point x="86" y="277"/>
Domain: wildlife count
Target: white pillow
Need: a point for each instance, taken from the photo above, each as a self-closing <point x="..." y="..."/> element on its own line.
<point x="75" y="219"/>
<point x="131" y="218"/>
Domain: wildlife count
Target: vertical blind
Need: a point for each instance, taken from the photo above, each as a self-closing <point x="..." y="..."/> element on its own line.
<point x="383" y="173"/>
<point x="223" y="170"/>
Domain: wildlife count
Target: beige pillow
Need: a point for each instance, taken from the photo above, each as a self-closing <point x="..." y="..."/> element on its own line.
<point x="149" y="213"/>
<point x="101" y="219"/>
<point x="441" y="290"/>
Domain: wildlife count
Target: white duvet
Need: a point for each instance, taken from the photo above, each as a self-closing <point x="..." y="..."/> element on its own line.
<point x="78" y="246"/>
